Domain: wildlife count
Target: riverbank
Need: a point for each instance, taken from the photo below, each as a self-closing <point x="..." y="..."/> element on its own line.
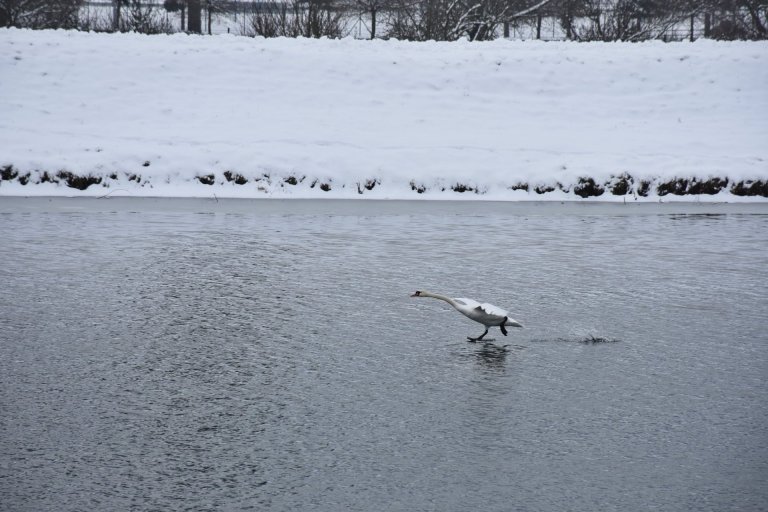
<point x="189" y="116"/>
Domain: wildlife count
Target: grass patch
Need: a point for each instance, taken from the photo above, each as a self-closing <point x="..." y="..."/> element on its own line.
<point x="78" y="182"/>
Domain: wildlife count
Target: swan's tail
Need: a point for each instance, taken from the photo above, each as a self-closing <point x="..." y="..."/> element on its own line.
<point x="513" y="323"/>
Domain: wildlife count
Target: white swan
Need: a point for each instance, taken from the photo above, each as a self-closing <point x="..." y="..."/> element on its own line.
<point x="486" y="314"/>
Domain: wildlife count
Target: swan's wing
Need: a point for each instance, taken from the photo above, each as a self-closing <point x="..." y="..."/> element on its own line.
<point x="481" y="309"/>
<point x="479" y="312"/>
<point x="492" y="310"/>
<point x="472" y="309"/>
<point x="497" y="313"/>
<point x="485" y="313"/>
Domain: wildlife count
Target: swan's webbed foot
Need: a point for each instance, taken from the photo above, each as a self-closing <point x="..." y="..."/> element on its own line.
<point x="503" y="329"/>
<point x="479" y="338"/>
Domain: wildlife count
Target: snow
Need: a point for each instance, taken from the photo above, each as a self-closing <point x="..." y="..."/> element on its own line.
<point x="399" y="116"/>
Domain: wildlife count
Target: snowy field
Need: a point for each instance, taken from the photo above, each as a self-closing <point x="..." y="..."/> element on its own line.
<point x="198" y="116"/>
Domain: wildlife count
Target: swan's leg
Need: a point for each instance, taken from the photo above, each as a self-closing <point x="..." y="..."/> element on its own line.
<point x="479" y="338"/>
<point x="503" y="329"/>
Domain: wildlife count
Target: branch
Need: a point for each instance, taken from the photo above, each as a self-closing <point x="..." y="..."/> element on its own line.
<point x="529" y="10"/>
<point x="459" y="27"/>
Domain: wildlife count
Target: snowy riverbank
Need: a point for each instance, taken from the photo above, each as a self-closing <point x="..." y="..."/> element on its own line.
<point x="126" y="114"/>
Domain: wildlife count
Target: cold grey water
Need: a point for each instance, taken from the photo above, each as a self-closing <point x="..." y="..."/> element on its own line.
<point x="266" y="355"/>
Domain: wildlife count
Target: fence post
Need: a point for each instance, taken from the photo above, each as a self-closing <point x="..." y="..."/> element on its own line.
<point x="693" y="18"/>
<point x="707" y="23"/>
<point x="116" y="17"/>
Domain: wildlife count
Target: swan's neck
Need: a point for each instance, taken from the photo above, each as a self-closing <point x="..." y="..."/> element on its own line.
<point x="439" y="297"/>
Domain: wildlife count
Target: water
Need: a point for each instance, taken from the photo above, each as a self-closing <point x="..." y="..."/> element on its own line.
<point x="265" y="355"/>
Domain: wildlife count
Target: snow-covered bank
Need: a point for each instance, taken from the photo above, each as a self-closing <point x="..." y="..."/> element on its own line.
<point x="237" y="117"/>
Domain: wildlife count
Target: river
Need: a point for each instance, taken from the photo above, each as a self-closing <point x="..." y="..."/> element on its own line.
<point x="160" y="354"/>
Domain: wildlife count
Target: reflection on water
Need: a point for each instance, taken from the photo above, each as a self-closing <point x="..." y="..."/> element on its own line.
<point x="492" y="356"/>
<point x="267" y="355"/>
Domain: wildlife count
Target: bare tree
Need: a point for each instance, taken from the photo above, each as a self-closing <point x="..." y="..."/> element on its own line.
<point x="143" y="17"/>
<point x="568" y="12"/>
<point x="738" y="19"/>
<point x="39" y="13"/>
<point x="212" y="8"/>
<point x="423" y="20"/>
<point x="373" y="8"/>
<point x="626" y="20"/>
<point x="323" y="19"/>
<point x="481" y="20"/>
<point x="298" y="18"/>
<point x="448" y="20"/>
<point x="271" y="19"/>
<point x="531" y="11"/>
<point x="179" y="6"/>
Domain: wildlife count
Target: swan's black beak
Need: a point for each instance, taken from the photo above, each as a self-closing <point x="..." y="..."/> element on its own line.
<point x="415" y="294"/>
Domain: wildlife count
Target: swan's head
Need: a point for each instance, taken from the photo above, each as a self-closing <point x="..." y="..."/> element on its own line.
<point x="417" y="293"/>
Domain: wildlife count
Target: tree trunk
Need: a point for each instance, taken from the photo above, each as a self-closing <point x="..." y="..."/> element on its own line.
<point x="194" y="21"/>
<point x="538" y="25"/>
<point x="707" y="24"/>
<point x="757" y="24"/>
<point x="373" y="23"/>
<point x="506" y="30"/>
<point x="183" y="17"/>
<point x="208" y="5"/>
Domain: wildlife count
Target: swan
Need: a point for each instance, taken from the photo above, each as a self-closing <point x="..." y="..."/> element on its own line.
<point x="486" y="314"/>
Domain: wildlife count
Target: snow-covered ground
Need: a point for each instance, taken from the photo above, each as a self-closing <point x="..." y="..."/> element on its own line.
<point x="165" y="115"/>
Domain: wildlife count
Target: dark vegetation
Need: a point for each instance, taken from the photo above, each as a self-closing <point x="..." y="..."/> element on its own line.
<point x="292" y="180"/>
<point x="78" y="182"/>
<point x="750" y="188"/>
<point x="8" y="173"/>
<point x="682" y="187"/>
<point x="239" y="179"/>
<point x="207" y="179"/>
<point x="461" y="188"/>
<point x="418" y="188"/>
<point x="620" y="185"/>
<point x="543" y="189"/>
<point x="368" y="185"/>
<point x="588" y="188"/>
<point x="585" y="187"/>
